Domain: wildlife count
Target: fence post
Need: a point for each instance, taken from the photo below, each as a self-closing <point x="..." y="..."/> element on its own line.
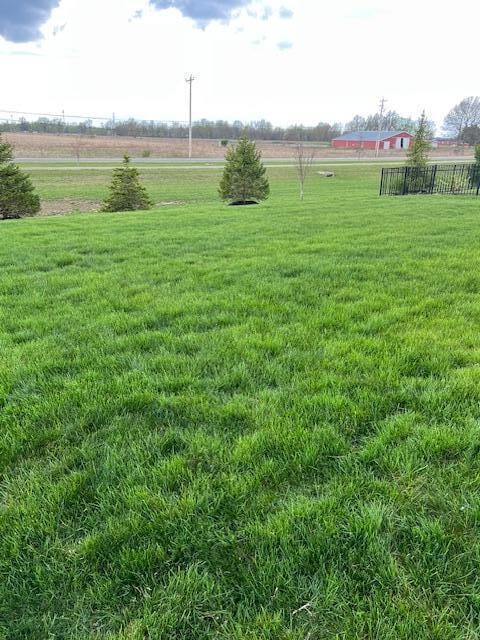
<point x="434" y="178"/>
<point x="452" y="185"/>
<point x="405" y="181"/>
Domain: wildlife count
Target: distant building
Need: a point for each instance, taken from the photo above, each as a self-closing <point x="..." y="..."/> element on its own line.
<point x="446" y="142"/>
<point x="369" y="140"/>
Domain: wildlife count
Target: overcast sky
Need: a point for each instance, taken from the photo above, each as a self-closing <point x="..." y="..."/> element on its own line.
<point x="283" y="60"/>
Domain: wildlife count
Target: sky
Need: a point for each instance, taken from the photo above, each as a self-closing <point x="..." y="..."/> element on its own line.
<point x="287" y="61"/>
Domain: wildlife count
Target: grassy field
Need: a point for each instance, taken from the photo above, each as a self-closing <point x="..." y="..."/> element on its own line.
<point x="249" y="424"/>
<point x="73" y="147"/>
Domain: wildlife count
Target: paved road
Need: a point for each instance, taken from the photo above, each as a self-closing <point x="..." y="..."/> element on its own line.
<point x="119" y="159"/>
<point x="42" y="166"/>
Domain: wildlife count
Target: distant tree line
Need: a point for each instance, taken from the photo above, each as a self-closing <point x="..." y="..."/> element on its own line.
<point x="461" y="123"/>
<point x="390" y="121"/>
<point x="208" y="129"/>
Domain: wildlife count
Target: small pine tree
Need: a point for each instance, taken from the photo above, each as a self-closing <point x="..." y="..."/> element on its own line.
<point x="6" y="151"/>
<point x="126" y="192"/>
<point x="417" y="155"/>
<point x="244" y="178"/>
<point x="477" y="153"/>
<point x="17" y="195"/>
<point x="475" y="169"/>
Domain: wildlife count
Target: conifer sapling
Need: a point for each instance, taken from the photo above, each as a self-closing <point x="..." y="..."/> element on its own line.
<point x="244" y="179"/>
<point x="126" y="192"/>
<point x="477" y="153"/>
<point x="417" y="155"/>
<point x="17" y="194"/>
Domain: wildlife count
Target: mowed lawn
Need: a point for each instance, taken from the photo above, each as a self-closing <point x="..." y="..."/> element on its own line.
<point x="257" y="423"/>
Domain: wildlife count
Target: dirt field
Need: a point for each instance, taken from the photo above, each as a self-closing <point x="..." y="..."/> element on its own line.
<point x="73" y="147"/>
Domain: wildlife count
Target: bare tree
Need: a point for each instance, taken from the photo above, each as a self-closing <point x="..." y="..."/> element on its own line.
<point x="78" y="145"/>
<point x="304" y="158"/>
<point x="358" y="123"/>
<point x="464" y="114"/>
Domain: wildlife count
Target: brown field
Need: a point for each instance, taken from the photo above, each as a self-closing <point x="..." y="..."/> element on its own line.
<point x="74" y="147"/>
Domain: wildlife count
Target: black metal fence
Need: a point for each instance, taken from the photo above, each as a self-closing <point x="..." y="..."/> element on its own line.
<point x="459" y="179"/>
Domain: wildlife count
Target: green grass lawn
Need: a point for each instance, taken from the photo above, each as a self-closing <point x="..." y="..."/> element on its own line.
<point x="257" y="423"/>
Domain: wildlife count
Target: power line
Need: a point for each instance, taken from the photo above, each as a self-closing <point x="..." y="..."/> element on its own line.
<point x="50" y="115"/>
<point x="63" y="116"/>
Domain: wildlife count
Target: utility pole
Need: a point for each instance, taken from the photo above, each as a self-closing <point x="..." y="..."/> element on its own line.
<point x="380" y="121"/>
<point x="189" y="81"/>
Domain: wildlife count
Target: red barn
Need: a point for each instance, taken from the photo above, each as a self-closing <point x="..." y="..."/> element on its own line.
<point x="369" y="140"/>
